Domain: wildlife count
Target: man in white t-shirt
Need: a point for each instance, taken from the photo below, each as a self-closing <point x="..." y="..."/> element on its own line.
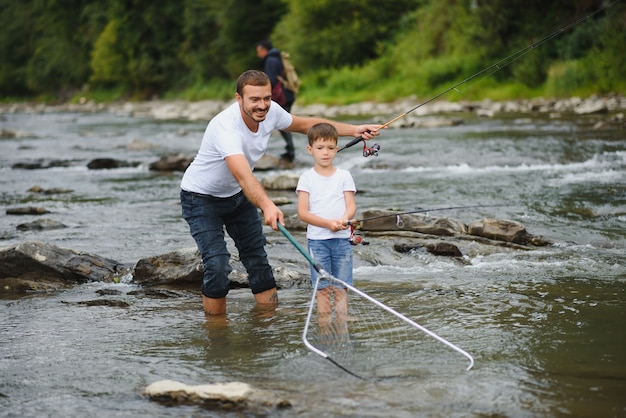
<point x="219" y="189"/>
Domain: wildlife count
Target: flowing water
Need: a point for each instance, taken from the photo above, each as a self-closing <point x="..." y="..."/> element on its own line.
<point x="546" y="327"/>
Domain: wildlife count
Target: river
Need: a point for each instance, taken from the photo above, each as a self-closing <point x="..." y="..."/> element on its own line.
<point x="546" y="327"/>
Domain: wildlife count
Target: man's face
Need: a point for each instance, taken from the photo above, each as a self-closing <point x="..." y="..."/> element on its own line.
<point x="261" y="52"/>
<point x="255" y="102"/>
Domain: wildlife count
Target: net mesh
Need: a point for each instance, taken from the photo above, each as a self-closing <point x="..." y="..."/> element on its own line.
<point x="368" y="339"/>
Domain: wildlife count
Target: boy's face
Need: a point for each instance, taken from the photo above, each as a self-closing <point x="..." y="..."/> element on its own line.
<point x="323" y="151"/>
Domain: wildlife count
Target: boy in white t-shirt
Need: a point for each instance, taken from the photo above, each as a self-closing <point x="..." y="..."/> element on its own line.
<point x="326" y="202"/>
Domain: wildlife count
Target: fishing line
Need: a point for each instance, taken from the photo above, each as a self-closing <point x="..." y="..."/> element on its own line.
<point x="486" y="72"/>
<point x="374" y="335"/>
<point x="398" y="214"/>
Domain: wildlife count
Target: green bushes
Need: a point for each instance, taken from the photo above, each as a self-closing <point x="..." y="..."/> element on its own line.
<point x="345" y="51"/>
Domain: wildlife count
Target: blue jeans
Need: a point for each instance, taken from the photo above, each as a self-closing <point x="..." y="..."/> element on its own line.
<point x="335" y="256"/>
<point x="207" y="216"/>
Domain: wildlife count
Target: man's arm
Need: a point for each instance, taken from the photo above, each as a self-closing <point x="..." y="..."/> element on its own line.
<point x="254" y="191"/>
<point x="302" y="124"/>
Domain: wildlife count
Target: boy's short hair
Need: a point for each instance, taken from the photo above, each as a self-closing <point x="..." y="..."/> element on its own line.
<point x="324" y="131"/>
<point x="251" y="78"/>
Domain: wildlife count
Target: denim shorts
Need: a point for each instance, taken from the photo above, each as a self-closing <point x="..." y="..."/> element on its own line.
<point x="335" y="256"/>
<point x="207" y="216"/>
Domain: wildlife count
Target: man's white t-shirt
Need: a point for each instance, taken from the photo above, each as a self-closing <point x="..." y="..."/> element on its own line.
<point x="326" y="199"/>
<point x="225" y="135"/>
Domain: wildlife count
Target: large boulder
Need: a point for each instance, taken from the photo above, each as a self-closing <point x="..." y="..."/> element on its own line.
<point x="386" y="220"/>
<point x="500" y="230"/>
<point x="40" y="266"/>
<point x="183" y="268"/>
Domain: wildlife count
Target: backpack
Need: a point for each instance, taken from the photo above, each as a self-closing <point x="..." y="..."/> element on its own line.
<point x="290" y="80"/>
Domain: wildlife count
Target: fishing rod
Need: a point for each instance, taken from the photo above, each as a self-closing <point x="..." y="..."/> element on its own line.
<point x="368" y="151"/>
<point x="356" y="222"/>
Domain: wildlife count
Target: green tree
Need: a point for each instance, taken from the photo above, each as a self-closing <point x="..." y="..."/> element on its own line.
<point x="45" y="45"/>
<point x="144" y="39"/>
<point x="16" y="45"/>
<point x="331" y="34"/>
<point x="243" y="23"/>
<point x="199" y="51"/>
<point x="398" y="46"/>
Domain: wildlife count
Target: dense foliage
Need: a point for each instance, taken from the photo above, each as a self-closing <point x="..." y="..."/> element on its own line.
<point x="345" y="50"/>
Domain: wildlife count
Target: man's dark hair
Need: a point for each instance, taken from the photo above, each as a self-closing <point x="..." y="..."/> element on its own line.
<point x="267" y="44"/>
<point x="251" y="78"/>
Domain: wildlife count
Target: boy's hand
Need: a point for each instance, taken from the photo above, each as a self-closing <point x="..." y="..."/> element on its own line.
<point x="337" y="225"/>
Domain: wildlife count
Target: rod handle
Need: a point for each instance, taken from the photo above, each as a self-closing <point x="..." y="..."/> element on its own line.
<point x="351" y="143"/>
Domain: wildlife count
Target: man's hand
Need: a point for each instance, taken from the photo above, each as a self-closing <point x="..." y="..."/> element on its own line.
<point x="273" y="215"/>
<point x="368" y="131"/>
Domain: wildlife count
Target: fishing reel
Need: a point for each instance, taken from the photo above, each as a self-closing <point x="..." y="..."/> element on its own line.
<point x="356" y="239"/>
<point x="369" y="151"/>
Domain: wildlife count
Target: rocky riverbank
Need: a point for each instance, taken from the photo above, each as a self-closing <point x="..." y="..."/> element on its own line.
<point x="613" y="105"/>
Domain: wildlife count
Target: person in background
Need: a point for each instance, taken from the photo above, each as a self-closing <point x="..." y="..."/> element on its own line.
<point x="273" y="67"/>
<point x="219" y="189"/>
<point x="326" y="203"/>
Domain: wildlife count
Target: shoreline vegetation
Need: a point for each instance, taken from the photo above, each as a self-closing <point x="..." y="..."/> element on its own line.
<point x="344" y="52"/>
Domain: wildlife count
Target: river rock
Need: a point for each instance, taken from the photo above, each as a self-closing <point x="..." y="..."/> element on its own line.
<point x="444" y="249"/>
<point x="41" y="225"/>
<point x="41" y="164"/>
<point x="54" y="190"/>
<point x="417" y="121"/>
<point x="281" y="182"/>
<point x="184" y="268"/>
<point x="27" y="210"/>
<point x="8" y="134"/>
<point x="392" y="221"/>
<point x="501" y="230"/>
<point x="293" y="222"/>
<point x="437" y="248"/>
<point x="226" y="395"/>
<point x="138" y="145"/>
<point x="108" y="163"/>
<point x="113" y="303"/>
<point x="23" y="264"/>
<point x="591" y="106"/>
<point x="181" y="266"/>
<point x="270" y="162"/>
<point x="173" y="162"/>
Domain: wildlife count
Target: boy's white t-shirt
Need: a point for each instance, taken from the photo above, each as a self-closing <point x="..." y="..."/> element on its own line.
<point x="225" y="135"/>
<point x="326" y="199"/>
